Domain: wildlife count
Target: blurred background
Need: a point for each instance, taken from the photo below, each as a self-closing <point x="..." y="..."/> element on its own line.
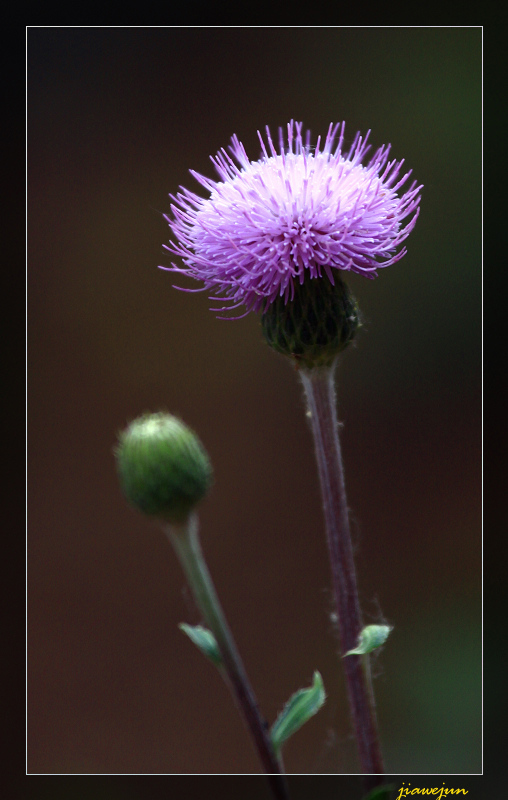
<point x="116" y="118"/>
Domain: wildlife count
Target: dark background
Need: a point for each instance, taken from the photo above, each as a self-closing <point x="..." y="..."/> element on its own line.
<point x="116" y="117"/>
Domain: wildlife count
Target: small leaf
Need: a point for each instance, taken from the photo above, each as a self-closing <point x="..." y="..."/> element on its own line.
<point x="204" y="640"/>
<point x="299" y="708"/>
<point x="371" y="637"/>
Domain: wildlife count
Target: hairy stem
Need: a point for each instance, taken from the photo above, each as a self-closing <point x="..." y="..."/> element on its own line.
<point x="319" y="389"/>
<point x="186" y="543"/>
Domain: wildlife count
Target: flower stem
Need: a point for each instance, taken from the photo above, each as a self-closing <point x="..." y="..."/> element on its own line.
<point x="319" y="386"/>
<point x="186" y="543"/>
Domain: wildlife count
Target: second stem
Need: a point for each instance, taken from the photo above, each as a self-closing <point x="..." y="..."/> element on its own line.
<point x="185" y="540"/>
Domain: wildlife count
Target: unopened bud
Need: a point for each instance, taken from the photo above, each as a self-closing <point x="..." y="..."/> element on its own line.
<point x="163" y="468"/>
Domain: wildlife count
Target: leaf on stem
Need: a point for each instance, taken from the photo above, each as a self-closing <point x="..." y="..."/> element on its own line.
<point x="204" y="640"/>
<point x="299" y="708"/>
<point x="371" y="637"/>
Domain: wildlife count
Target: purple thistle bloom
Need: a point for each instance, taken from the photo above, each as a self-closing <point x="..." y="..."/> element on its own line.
<point x="298" y="214"/>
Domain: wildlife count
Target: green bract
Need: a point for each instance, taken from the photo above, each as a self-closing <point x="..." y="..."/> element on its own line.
<point x="315" y="325"/>
<point x="163" y="468"/>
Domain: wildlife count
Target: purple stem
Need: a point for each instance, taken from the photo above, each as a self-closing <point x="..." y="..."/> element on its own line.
<point x="319" y="386"/>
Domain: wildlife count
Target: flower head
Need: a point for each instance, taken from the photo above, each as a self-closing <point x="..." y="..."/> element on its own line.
<point x="293" y="215"/>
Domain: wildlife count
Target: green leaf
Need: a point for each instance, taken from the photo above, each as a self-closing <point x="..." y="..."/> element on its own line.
<point x="204" y="640"/>
<point x="299" y="708"/>
<point x="371" y="637"/>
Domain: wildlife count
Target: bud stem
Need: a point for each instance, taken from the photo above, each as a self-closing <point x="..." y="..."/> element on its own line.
<point x="319" y="386"/>
<point x="185" y="540"/>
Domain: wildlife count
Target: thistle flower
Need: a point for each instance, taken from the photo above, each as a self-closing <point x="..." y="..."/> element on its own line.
<point x="297" y="214"/>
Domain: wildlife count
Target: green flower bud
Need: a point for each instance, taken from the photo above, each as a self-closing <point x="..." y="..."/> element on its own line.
<point x="163" y="468"/>
<point x="315" y="325"/>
